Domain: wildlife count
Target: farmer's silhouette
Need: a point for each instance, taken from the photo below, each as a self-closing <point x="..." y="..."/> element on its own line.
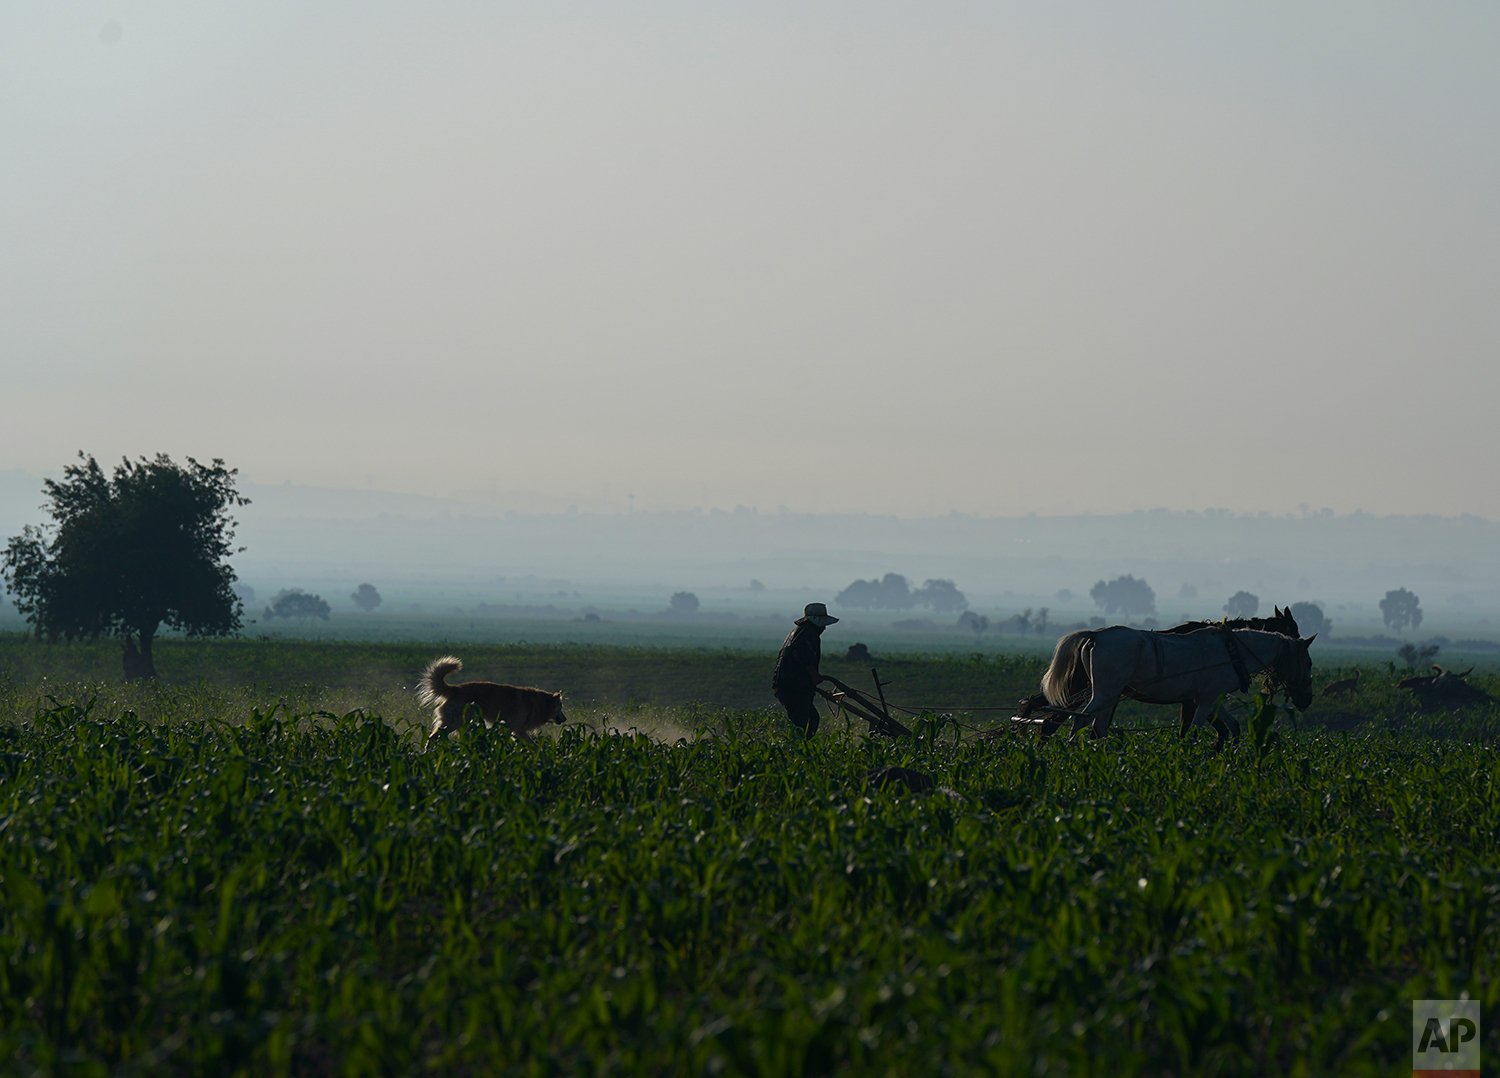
<point x="796" y="676"/>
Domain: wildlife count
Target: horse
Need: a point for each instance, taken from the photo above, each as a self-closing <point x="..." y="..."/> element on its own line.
<point x="1281" y="622"/>
<point x="1096" y="667"/>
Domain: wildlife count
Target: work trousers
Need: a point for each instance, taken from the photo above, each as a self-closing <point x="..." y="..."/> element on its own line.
<point x="802" y="710"/>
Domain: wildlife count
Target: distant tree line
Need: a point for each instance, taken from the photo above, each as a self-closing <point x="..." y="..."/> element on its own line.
<point x="1027" y="621"/>
<point x="892" y="592"/>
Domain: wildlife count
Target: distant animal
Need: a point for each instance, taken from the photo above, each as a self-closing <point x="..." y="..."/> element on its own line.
<point x="1443" y="690"/>
<point x="521" y="708"/>
<point x="1342" y="686"/>
<point x="1091" y="670"/>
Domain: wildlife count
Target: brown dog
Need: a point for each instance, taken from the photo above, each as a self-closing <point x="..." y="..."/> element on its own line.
<point x="521" y="709"/>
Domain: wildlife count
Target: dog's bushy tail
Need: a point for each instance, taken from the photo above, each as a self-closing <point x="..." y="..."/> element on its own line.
<point x="431" y="686"/>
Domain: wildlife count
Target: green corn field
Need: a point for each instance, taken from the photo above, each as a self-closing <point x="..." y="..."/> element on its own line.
<point x="254" y="868"/>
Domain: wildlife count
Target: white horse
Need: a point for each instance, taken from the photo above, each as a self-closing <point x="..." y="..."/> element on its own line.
<point x="1094" y="668"/>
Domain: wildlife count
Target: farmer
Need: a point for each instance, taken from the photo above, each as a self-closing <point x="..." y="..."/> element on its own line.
<point x="796" y="674"/>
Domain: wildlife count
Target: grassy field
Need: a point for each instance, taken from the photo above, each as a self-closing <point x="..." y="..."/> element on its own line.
<point x="250" y="867"/>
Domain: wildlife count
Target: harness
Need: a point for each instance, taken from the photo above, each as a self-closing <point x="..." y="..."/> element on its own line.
<point x="1233" y="648"/>
<point x="1159" y="653"/>
<point x="1237" y="657"/>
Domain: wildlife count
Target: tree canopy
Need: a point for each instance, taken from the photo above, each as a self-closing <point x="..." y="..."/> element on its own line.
<point x="890" y="593"/>
<point x="893" y="592"/>
<point x="1400" y="609"/>
<point x="979" y="624"/>
<point x="1242" y="604"/>
<point x="366" y="597"/>
<point x="1311" y="619"/>
<point x="129" y="552"/>
<point x="1124" y="594"/>
<point x="296" y="603"/>
<point x="941" y="595"/>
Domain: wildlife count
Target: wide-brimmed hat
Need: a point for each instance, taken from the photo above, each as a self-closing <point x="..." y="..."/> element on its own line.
<point x="816" y="613"/>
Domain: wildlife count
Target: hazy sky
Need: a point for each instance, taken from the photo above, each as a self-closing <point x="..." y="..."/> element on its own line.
<point x="910" y="258"/>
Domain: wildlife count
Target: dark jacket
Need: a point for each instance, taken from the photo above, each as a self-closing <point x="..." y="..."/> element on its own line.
<point x="796" y="671"/>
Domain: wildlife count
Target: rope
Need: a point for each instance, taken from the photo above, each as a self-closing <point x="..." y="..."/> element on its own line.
<point x="865" y="701"/>
<point x="993" y="731"/>
<point x="922" y="709"/>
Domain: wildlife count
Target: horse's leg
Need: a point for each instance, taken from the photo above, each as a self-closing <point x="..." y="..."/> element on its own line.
<point x="1224" y="725"/>
<point x="1103" y="718"/>
<point x="1081" y="718"/>
<point x="1203" y="712"/>
<point x="1233" y="725"/>
<point x="1106" y="695"/>
<point x="1223" y="732"/>
<point x="1096" y="713"/>
<point x="1185" y="718"/>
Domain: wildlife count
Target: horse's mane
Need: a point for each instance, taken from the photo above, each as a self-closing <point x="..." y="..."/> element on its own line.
<point x="1282" y="622"/>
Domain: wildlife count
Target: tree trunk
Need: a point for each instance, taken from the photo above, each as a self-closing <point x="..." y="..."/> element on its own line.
<point x="138" y="661"/>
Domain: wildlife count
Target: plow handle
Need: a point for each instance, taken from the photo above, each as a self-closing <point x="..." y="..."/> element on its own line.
<point x="853" y="700"/>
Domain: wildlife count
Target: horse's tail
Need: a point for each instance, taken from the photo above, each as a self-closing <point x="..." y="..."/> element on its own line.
<point x="1066" y="682"/>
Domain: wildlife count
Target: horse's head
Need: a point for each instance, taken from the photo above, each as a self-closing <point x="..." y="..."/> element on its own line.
<point x="1294" y="668"/>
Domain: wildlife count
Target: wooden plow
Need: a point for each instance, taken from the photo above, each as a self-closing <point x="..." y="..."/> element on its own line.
<point x="873" y="709"/>
<point x="1034" y="716"/>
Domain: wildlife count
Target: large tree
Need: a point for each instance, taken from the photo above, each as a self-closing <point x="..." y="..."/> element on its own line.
<point x="1310" y="619"/>
<point x="1401" y="608"/>
<point x="1125" y="594"/>
<point x="1242" y="604"/>
<point x="941" y="595"/>
<point x="296" y="603"/>
<point x="891" y="592"/>
<point x="366" y="597"/>
<point x="128" y="553"/>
